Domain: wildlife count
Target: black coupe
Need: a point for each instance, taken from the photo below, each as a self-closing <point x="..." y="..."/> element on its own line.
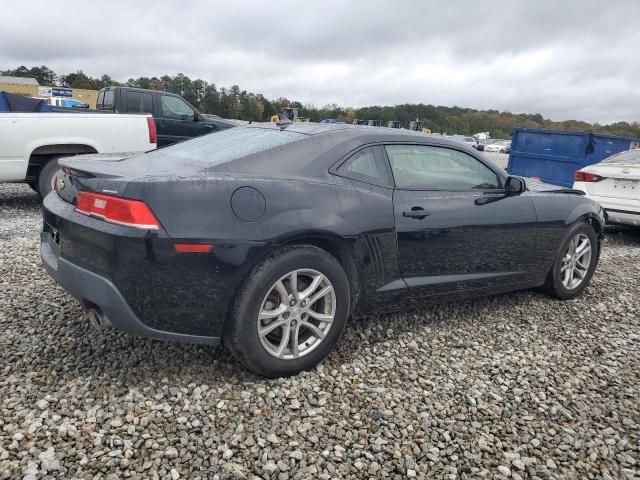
<point x="269" y="237"/>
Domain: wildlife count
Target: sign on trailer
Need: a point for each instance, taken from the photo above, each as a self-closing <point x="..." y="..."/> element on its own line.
<point x="61" y="92"/>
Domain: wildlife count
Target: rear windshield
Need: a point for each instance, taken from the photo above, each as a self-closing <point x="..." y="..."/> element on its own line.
<point x="230" y="144"/>
<point x="630" y="157"/>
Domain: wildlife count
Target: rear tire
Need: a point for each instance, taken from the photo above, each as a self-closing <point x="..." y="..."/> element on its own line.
<point x="46" y="175"/>
<point x="572" y="269"/>
<point x="278" y="333"/>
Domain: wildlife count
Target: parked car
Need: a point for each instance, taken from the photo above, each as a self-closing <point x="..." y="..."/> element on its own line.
<point x="496" y="147"/>
<point x="32" y="143"/>
<point x="615" y="184"/>
<point x="270" y="237"/>
<point x="176" y="119"/>
<point x="469" y="141"/>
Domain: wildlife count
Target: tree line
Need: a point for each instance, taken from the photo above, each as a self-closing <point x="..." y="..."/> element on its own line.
<point x="234" y="102"/>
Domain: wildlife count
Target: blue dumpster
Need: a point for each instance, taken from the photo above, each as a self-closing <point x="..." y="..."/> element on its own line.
<point x="555" y="156"/>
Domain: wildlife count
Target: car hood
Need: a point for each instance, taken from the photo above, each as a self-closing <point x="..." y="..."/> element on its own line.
<point x="535" y="185"/>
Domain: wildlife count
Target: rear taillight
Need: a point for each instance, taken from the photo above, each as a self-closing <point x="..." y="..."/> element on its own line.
<point x="192" y="248"/>
<point x="587" y="177"/>
<point x="123" y="211"/>
<point x="153" y="135"/>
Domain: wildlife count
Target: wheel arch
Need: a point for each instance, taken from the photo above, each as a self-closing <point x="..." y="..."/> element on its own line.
<point x="339" y="248"/>
<point x="334" y="245"/>
<point x="586" y="212"/>
<point x="592" y="219"/>
<point x="44" y="153"/>
<point x="596" y="223"/>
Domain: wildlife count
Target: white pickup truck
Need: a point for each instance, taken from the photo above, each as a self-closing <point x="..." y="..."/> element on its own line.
<point x="32" y="143"/>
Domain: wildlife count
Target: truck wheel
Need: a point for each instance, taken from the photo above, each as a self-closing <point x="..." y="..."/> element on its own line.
<point x="44" y="183"/>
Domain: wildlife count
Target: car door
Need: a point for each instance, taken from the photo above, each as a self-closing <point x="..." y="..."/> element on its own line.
<point x="457" y="230"/>
<point x="177" y="121"/>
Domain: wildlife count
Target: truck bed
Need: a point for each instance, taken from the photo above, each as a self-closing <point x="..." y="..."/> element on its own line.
<point x="23" y="135"/>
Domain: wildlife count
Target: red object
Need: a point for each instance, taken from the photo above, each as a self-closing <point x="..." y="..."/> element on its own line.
<point x="587" y="177"/>
<point x="153" y="134"/>
<point x="123" y="211"/>
<point x="192" y="248"/>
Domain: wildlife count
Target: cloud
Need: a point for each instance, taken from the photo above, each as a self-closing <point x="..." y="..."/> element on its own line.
<point x="569" y="59"/>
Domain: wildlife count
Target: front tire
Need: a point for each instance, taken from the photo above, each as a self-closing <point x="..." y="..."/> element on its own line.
<point x="575" y="263"/>
<point x="290" y="313"/>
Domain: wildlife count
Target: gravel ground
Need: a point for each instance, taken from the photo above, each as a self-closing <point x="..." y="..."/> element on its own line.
<point x="517" y="386"/>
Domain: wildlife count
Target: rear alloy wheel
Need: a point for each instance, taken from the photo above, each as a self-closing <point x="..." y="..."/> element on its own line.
<point x="290" y="313"/>
<point x="296" y="314"/>
<point x="575" y="264"/>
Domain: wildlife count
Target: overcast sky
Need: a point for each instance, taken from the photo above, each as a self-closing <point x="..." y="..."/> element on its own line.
<point x="563" y="59"/>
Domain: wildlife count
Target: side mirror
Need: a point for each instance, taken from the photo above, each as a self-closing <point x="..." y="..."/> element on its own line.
<point x="515" y="186"/>
<point x="196" y="116"/>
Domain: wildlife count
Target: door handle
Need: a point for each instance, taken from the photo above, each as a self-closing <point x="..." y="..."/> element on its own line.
<point x="416" y="212"/>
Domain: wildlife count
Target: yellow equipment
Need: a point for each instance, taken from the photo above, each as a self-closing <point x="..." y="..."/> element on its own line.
<point x="290" y="114"/>
<point x="417" y="126"/>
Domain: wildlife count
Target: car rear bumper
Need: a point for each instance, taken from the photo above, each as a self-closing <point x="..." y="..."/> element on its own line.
<point x="623" y="216"/>
<point x="618" y="209"/>
<point x="137" y="279"/>
<point x="95" y="291"/>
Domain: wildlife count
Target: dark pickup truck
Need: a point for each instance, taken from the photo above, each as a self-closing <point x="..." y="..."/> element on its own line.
<point x="175" y="118"/>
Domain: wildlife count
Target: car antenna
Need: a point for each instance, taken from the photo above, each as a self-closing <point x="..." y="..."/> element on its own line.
<point x="283" y="123"/>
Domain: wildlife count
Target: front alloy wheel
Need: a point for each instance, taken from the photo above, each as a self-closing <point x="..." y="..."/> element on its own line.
<point x="576" y="261"/>
<point x="296" y="314"/>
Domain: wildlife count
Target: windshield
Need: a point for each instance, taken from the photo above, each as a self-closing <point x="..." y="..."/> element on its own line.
<point x="630" y="157"/>
<point x="227" y="145"/>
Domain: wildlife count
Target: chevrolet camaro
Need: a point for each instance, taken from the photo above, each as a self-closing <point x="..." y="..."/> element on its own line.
<point x="269" y="237"/>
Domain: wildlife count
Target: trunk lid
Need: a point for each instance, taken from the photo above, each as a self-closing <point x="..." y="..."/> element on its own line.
<point x="112" y="173"/>
<point x="95" y="172"/>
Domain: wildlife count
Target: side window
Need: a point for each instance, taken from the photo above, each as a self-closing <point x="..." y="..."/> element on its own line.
<point x="108" y="99"/>
<point x="367" y="165"/>
<point x="422" y="167"/>
<point x="174" y="107"/>
<point x="139" y="102"/>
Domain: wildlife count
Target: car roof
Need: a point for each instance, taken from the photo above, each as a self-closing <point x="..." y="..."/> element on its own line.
<point x="324" y="145"/>
<point x="345" y="131"/>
